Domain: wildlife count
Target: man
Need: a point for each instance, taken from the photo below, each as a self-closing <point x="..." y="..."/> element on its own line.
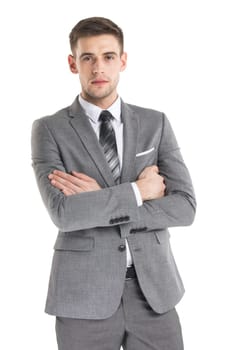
<point x="113" y="180"/>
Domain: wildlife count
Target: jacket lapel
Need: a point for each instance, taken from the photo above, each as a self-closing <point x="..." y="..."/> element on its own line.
<point x="83" y="128"/>
<point x="130" y="137"/>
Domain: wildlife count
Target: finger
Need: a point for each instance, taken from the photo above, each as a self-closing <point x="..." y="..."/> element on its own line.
<point x="63" y="185"/>
<point x="68" y="192"/>
<point x="82" y="176"/>
<point x="59" y="173"/>
<point x="152" y="168"/>
<point x="77" y="182"/>
<point x="83" y="184"/>
<point x="73" y="178"/>
<point x="58" y="184"/>
<point x="61" y="180"/>
<point x="156" y="169"/>
<point x="65" y="179"/>
<point x="63" y="175"/>
<point x="146" y="172"/>
<point x="87" y="184"/>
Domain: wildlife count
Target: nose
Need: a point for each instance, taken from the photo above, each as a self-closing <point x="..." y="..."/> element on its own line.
<point x="98" y="66"/>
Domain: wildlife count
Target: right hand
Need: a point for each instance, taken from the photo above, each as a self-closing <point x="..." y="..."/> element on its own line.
<point x="73" y="183"/>
<point x="151" y="184"/>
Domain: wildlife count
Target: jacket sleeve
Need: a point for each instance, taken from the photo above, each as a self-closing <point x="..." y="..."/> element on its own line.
<point x="106" y="207"/>
<point x="178" y="206"/>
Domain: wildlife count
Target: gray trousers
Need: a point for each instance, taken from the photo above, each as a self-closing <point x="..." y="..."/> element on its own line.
<point x="134" y="326"/>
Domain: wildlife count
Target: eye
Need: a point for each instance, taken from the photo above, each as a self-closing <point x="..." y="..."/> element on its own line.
<point x="109" y="57"/>
<point x="86" y="58"/>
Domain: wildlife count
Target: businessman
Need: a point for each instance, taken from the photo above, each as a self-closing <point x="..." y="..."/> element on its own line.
<point x="113" y="181"/>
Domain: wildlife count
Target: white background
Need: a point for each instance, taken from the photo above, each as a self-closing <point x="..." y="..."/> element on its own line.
<point x="180" y="62"/>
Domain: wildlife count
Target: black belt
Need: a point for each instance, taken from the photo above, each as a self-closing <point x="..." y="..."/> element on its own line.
<point x="130" y="272"/>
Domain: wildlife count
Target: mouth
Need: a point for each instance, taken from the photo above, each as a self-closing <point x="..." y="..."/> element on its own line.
<point x="99" y="82"/>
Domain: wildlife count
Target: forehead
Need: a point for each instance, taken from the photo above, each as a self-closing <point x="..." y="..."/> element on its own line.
<point x="98" y="44"/>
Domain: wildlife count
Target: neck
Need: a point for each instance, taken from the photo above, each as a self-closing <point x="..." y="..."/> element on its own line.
<point x="103" y="103"/>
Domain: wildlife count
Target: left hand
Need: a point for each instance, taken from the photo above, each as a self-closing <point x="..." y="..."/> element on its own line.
<point x="73" y="183"/>
<point x="151" y="184"/>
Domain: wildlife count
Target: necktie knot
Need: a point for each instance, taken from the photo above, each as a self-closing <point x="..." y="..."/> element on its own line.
<point x="105" y="116"/>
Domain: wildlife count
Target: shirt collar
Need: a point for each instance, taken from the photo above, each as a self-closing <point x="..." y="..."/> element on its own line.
<point x="94" y="111"/>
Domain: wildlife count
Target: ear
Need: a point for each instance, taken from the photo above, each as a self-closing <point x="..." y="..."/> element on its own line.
<point x="123" y="61"/>
<point x="72" y="64"/>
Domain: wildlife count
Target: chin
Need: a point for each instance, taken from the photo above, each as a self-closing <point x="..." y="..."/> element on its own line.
<point x="99" y="96"/>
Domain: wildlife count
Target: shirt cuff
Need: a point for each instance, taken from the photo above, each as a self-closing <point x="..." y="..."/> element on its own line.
<point x="137" y="194"/>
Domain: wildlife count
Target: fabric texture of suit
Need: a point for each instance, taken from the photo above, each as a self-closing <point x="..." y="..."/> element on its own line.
<point x="89" y="263"/>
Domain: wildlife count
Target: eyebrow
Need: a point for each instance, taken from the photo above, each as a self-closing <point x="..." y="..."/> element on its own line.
<point x="92" y="54"/>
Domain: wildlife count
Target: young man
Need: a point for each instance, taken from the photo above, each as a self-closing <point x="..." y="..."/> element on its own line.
<point x="113" y="180"/>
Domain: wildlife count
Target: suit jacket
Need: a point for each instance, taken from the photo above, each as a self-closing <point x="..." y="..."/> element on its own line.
<point x="89" y="262"/>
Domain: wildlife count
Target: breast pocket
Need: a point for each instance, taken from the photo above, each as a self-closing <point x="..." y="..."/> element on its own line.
<point x="145" y="158"/>
<point x="144" y="153"/>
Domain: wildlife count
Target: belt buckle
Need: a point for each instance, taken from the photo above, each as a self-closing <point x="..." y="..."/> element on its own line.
<point x="131" y="277"/>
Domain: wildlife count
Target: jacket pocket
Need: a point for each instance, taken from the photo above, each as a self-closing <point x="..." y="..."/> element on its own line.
<point x="162" y="236"/>
<point x="74" y="243"/>
<point x="162" y="247"/>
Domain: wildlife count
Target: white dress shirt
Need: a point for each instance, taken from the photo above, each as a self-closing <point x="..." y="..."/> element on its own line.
<point x="93" y="112"/>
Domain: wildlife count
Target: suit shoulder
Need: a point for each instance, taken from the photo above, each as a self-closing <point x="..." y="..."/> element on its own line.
<point x="55" y="118"/>
<point x="146" y="112"/>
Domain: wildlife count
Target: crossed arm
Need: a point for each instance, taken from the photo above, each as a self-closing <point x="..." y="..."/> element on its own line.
<point x="150" y="183"/>
<point x="70" y="198"/>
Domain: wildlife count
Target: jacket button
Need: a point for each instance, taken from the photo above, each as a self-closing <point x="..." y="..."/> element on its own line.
<point x="121" y="247"/>
<point x="133" y="230"/>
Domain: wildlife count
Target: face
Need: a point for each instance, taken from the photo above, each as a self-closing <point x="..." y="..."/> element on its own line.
<point x="98" y="61"/>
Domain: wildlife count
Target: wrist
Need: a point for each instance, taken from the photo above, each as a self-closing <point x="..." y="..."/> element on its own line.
<point x="137" y="194"/>
<point x="139" y="184"/>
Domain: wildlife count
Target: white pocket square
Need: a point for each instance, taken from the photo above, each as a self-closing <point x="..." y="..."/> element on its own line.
<point x="145" y="152"/>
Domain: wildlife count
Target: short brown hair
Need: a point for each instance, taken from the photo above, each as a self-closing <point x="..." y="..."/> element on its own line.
<point x="95" y="26"/>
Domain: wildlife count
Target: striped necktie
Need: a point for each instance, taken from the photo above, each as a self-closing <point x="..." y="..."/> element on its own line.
<point x="107" y="140"/>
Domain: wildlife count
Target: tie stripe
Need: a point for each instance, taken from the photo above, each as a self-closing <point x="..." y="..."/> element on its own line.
<point x="107" y="140"/>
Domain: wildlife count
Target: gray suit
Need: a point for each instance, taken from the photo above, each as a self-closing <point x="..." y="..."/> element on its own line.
<point x="88" y="269"/>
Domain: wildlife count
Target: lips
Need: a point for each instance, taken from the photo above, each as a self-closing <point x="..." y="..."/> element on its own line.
<point x="99" y="81"/>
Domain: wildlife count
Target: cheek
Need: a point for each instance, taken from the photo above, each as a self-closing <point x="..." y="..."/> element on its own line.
<point x="113" y="71"/>
<point x="84" y="75"/>
<point x="116" y="77"/>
